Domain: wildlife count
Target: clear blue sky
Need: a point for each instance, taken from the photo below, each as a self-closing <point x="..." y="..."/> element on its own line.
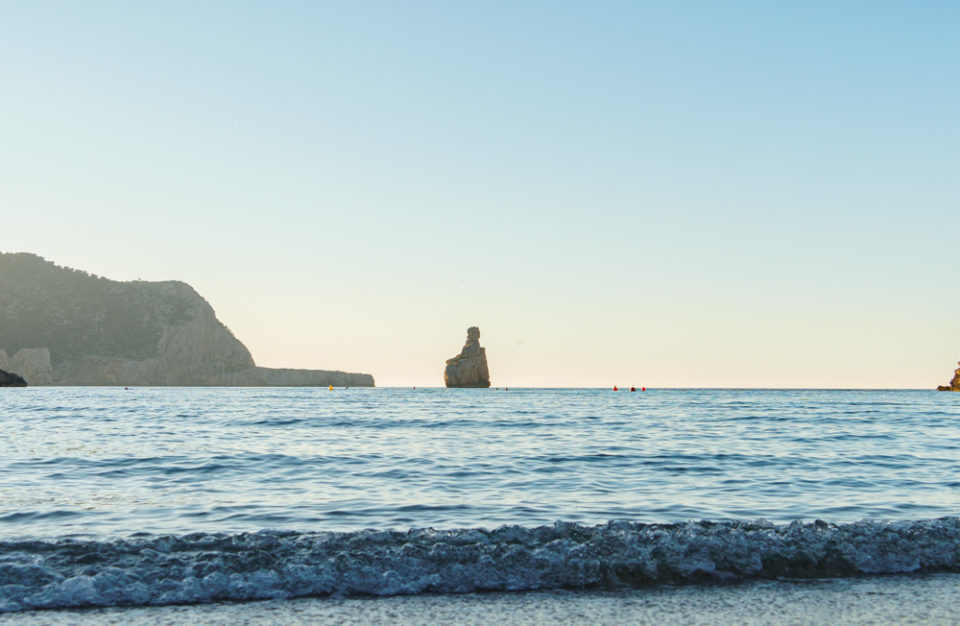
<point x="666" y="194"/>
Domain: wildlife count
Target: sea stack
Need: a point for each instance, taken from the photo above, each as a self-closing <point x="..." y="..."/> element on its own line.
<point x="469" y="368"/>
<point x="11" y="380"/>
<point x="954" y="384"/>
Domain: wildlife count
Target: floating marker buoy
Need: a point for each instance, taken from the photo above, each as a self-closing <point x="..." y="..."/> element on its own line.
<point x="633" y="388"/>
<point x="615" y="388"/>
<point x="330" y="388"/>
<point x="643" y="388"/>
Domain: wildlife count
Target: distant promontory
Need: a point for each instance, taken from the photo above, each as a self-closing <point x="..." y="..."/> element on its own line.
<point x="60" y="326"/>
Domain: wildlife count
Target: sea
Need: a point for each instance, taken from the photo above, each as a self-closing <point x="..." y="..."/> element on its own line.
<point x="139" y="497"/>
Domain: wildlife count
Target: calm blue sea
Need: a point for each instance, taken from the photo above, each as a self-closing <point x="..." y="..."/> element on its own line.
<point x="167" y="495"/>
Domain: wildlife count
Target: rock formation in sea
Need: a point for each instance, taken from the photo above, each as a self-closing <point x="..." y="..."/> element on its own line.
<point x="469" y="368"/>
<point x="60" y="326"/>
<point x="11" y="380"/>
<point x="954" y="384"/>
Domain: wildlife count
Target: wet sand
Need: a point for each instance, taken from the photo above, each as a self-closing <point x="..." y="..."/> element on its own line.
<point x="931" y="599"/>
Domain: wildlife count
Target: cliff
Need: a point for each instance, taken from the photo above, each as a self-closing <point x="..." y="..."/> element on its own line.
<point x="469" y="368"/>
<point x="60" y="326"/>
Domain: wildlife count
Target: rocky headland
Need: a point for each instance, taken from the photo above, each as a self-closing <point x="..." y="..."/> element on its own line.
<point x="954" y="384"/>
<point x="11" y="380"/>
<point x="469" y="368"/>
<point x="60" y="326"/>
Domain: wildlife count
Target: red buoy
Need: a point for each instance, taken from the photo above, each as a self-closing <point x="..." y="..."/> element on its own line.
<point x="633" y="388"/>
<point x="643" y="388"/>
<point x="615" y="388"/>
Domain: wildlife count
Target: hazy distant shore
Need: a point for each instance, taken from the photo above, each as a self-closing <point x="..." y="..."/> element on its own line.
<point x="65" y="327"/>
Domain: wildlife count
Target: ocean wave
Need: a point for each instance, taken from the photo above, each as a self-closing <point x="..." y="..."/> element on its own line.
<point x="200" y="567"/>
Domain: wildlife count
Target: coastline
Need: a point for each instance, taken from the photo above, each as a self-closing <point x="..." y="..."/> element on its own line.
<point x="925" y="599"/>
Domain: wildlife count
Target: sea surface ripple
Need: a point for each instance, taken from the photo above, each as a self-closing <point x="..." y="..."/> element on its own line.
<point x="114" y="496"/>
<point x="100" y="462"/>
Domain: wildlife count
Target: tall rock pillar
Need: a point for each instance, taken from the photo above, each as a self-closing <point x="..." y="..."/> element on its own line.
<point x="469" y="368"/>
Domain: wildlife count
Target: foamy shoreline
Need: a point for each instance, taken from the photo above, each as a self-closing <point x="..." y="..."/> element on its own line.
<point x="928" y="599"/>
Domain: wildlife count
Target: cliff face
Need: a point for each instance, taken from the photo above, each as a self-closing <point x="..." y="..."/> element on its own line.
<point x="31" y="363"/>
<point x="60" y="326"/>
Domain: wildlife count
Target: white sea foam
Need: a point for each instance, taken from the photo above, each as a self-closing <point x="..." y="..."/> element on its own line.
<point x="200" y="568"/>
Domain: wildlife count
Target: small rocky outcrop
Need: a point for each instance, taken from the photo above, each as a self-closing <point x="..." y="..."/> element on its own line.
<point x="954" y="384"/>
<point x="11" y="380"/>
<point x="469" y="368"/>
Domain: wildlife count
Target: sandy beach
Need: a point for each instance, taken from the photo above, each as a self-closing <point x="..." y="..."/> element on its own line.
<point x="876" y="600"/>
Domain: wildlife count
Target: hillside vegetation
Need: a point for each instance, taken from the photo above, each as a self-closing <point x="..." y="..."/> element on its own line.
<point x="60" y="326"/>
<point x="76" y="314"/>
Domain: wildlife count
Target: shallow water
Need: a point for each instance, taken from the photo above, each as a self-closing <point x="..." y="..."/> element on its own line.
<point x="98" y="462"/>
<point x="924" y="599"/>
<point x="157" y="496"/>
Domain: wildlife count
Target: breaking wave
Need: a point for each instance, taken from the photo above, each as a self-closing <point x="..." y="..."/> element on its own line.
<point x="200" y="568"/>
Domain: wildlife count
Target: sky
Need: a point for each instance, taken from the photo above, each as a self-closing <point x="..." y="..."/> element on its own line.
<point x="666" y="194"/>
